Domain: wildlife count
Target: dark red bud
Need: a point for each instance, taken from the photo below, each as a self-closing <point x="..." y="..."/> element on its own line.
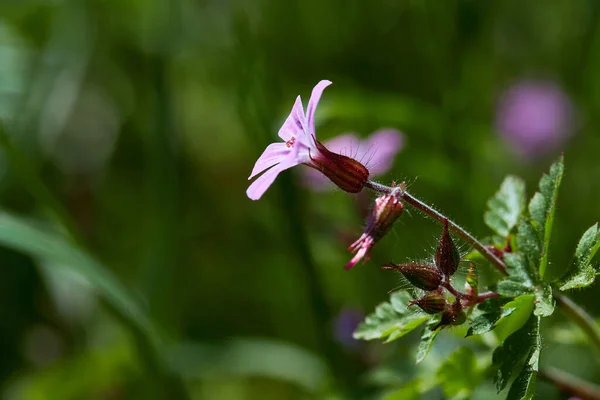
<point x="453" y="315"/>
<point x="347" y="173"/>
<point x="422" y="276"/>
<point x="432" y="303"/>
<point x="447" y="257"/>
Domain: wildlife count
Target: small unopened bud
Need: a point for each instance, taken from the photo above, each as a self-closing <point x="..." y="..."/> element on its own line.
<point x="422" y="276"/>
<point x="472" y="282"/>
<point x="447" y="257"/>
<point x="346" y="172"/>
<point x="432" y="303"/>
<point x="453" y="315"/>
<point x="386" y="211"/>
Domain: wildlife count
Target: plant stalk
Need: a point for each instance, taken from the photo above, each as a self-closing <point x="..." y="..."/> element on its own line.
<point x="570" y="385"/>
<point x="436" y="215"/>
<point x="581" y="317"/>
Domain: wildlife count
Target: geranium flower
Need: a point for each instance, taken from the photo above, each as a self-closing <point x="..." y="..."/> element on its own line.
<point x="300" y="146"/>
<point x="535" y="117"/>
<point x="378" y="151"/>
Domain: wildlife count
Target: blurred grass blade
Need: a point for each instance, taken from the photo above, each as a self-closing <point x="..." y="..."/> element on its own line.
<point x="43" y="242"/>
<point x="251" y="357"/>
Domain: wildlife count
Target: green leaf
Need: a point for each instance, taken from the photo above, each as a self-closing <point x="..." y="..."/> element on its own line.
<point x="544" y="302"/>
<point x="459" y="374"/>
<point x="506" y="206"/>
<point x="542" y="208"/>
<point x="488" y="314"/>
<point x="427" y="338"/>
<point x="523" y="388"/>
<point x="411" y="390"/>
<point x="391" y="320"/>
<point x="518" y="281"/>
<point x="582" y="272"/>
<point x="522" y="307"/>
<point x="529" y="246"/>
<point x="519" y="351"/>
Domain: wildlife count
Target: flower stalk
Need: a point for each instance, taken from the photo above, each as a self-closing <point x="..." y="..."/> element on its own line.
<point x="436" y="215"/>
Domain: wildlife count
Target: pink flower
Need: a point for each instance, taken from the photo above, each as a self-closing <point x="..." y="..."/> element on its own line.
<point x="300" y="146"/>
<point x="386" y="211"/>
<point x="535" y="117"/>
<point x="378" y="151"/>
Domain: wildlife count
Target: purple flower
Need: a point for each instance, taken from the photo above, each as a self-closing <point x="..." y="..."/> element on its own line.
<point x="344" y="326"/>
<point x="534" y="117"/>
<point x="378" y="151"/>
<point x="300" y="146"/>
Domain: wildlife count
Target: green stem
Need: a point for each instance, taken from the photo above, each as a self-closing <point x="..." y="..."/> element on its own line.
<point x="581" y="317"/>
<point x="441" y="218"/>
<point x="570" y="385"/>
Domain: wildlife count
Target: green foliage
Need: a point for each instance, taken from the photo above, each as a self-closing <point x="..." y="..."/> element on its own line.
<point x="582" y="273"/>
<point x="542" y="208"/>
<point x="519" y="352"/>
<point x="427" y="338"/>
<point x="409" y="391"/>
<point x="506" y="206"/>
<point x="391" y="320"/>
<point x="459" y="374"/>
<point x="488" y="314"/>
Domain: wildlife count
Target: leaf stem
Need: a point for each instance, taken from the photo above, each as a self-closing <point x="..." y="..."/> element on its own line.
<point x="570" y="385"/>
<point x="436" y="215"/>
<point x="581" y="317"/>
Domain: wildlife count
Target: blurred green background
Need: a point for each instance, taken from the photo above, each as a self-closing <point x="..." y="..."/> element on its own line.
<point x="134" y="265"/>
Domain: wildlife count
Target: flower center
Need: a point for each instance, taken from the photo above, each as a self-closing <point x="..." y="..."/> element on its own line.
<point x="290" y="142"/>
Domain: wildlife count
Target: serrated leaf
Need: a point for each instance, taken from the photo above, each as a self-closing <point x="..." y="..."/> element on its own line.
<point x="427" y="338"/>
<point x="544" y="302"/>
<point x="519" y="350"/>
<point x="518" y="281"/>
<point x="505" y="207"/>
<point x="523" y="388"/>
<point x="459" y="374"/>
<point x="488" y="314"/>
<point x="542" y="208"/>
<point x="582" y="273"/>
<point x="529" y="246"/>
<point x="392" y="320"/>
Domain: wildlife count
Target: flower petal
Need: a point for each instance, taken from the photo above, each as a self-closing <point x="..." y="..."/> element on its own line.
<point x="273" y="154"/>
<point x="380" y="149"/>
<point x="262" y="183"/>
<point x="312" y="105"/>
<point x="295" y="122"/>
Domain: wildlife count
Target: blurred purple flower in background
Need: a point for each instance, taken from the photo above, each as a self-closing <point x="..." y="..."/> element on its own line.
<point x="534" y="117"/>
<point x="344" y="326"/>
<point x="377" y="152"/>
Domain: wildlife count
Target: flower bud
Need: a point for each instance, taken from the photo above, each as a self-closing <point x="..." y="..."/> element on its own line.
<point x="346" y="172"/>
<point x="386" y="211"/>
<point x="432" y="303"/>
<point x="447" y="257"/>
<point x="422" y="276"/>
<point x="453" y="315"/>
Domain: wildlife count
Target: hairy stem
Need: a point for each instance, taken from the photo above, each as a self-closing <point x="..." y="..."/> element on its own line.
<point x="570" y="385"/>
<point x="581" y="317"/>
<point x="436" y="215"/>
